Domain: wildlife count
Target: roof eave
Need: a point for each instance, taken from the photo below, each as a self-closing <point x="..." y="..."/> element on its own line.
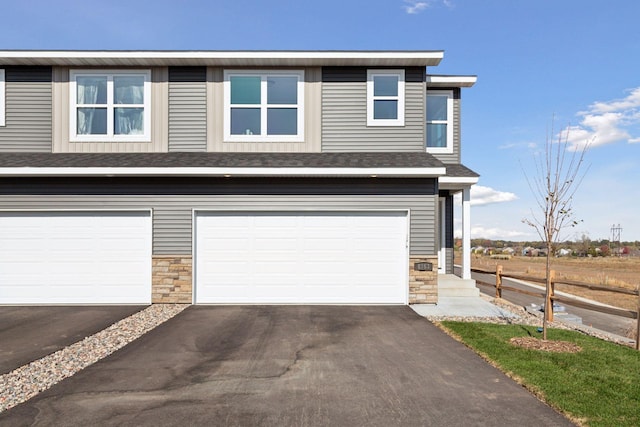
<point x="220" y="58"/>
<point x="435" y="81"/>
<point x="382" y="172"/>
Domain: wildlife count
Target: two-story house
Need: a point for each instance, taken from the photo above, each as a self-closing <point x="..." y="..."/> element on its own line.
<point x="228" y="177"/>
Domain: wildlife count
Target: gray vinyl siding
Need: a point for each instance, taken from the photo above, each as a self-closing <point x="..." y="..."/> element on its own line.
<point x="187" y="109"/>
<point x="173" y="205"/>
<point x="28" y="110"/>
<point x="344" y="113"/>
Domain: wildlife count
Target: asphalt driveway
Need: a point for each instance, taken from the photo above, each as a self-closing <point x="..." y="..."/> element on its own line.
<point x="285" y="366"/>
<point x="28" y="333"/>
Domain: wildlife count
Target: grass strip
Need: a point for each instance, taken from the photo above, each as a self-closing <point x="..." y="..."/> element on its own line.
<point x="598" y="386"/>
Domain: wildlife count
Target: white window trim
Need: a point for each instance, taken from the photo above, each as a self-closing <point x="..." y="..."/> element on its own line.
<point x="109" y="137"/>
<point x="2" y="98"/>
<point x="371" y="121"/>
<point x="263" y="74"/>
<point x="449" y="122"/>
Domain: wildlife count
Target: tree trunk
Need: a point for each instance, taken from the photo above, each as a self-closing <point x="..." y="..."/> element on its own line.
<point x="548" y="304"/>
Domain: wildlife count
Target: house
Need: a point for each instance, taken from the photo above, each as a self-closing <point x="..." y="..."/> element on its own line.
<point x="136" y="177"/>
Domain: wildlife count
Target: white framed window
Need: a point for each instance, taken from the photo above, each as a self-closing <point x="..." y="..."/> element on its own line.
<point x="385" y="97"/>
<point x="110" y="105"/>
<point x="264" y="106"/>
<point x="440" y="121"/>
<point x="2" y="100"/>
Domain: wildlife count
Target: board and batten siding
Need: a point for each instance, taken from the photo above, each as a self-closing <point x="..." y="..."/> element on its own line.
<point x="173" y="202"/>
<point x="187" y="109"/>
<point x="159" y="122"/>
<point x="28" y="110"/>
<point x="344" y="113"/>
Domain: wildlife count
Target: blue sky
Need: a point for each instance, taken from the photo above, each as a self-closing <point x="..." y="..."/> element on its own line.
<point x="575" y="60"/>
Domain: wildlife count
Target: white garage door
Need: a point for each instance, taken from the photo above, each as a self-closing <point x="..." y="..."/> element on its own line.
<point x="75" y="258"/>
<point x="275" y="258"/>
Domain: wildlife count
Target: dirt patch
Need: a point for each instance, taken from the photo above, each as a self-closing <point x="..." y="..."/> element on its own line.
<point x="532" y="343"/>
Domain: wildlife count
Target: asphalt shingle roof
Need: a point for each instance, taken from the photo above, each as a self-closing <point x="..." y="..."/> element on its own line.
<point x="231" y="160"/>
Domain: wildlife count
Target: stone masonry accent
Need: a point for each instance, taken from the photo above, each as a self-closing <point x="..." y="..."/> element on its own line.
<point x="172" y="279"/>
<point x="423" y="285"/>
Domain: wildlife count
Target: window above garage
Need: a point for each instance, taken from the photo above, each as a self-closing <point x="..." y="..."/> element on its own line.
<point x="110" y="106"/>
<point x="264" y="106"/>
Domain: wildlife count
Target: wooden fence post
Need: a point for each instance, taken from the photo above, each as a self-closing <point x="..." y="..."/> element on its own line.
<point x="638" y="321"/>
<point x="498" y="281"/>
<point x="548" y="307"/>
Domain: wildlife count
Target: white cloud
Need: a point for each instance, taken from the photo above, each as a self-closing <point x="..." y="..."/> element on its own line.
<point x="607" y="122"/>
<point x="480" y="232"/>
<point x="413" y="7"/>
<point x="529" y="145"/>
<point x="481" y="195"/>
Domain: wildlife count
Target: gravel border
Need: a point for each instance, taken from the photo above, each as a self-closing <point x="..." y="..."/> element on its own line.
<point x="28" y="380"/>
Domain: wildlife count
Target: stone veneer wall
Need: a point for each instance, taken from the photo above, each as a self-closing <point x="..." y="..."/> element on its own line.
<point x="423" y="285"/>
<point x="172" y="279"/>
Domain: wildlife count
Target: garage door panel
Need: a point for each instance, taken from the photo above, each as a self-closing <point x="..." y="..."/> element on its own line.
<point x="301" y="257"/>
<point x="75" y="257"/>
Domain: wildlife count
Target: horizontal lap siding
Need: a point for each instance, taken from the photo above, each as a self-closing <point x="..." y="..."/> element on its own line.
<point x="187" y="109"/>
<point x="172" y="213"/>
<point x="28" y="110"/>
<point x="344" y="114"/>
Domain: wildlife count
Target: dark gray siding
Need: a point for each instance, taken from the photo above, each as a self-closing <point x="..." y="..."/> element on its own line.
<point x="344" y="113"/>
<point x="173" y="200"/>
<point x="28" y="110"/>
<point x="187" y="109"/>
<point x="449" y="240"/>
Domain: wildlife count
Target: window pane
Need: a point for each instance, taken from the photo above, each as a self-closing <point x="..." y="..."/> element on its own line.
<point x="245" y="90"/>
<point x="92" y="90"/>
<point x="128" y="90"/>
<point x="282" y="121"/>
<point x="245" y="121"/>
<point x="91" y="121"/>
<point x="436" y="135"/>
<point x="385" y="109"/>
<point x="128" y="121"/>
<point x="282" y="90"/>
<point x="385" y="85"/>
<point x="436" y="107"/>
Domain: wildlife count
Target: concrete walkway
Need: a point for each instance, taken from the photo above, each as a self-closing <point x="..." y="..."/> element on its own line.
<point x="462" y="307"/>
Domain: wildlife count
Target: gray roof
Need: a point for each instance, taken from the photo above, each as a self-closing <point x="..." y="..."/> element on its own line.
<point x="220" y="160"/>
<point x="397" y="163"/>
<point x="459" y="170"/>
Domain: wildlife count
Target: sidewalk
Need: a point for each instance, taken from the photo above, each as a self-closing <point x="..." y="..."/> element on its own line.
<point x="462" y="307"/>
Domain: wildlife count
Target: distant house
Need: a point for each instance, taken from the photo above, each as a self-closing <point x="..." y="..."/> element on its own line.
<point x="564" y="252"/>
<point x="509" y="251"/>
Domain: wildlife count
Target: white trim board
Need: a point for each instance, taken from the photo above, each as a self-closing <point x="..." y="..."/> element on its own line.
<point x="224" y="172"/>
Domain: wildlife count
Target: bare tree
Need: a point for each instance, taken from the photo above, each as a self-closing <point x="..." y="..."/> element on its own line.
<point x="557" y="177"/>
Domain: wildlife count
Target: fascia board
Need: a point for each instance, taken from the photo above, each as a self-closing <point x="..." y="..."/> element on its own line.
<point x="237" y="172"/>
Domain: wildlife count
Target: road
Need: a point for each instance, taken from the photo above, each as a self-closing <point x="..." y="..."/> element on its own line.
<point x="605" y="322"/>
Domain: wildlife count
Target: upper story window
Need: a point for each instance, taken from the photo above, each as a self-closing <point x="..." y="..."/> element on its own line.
<point x="2" y="101"/>
<point x="440" y="121"/>
<point x="264" y="106"/>
<point x="113" y="105"/>
<point x="385" y="97"/>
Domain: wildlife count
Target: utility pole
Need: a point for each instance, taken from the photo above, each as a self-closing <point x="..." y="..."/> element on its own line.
<point x="615" y="239"/>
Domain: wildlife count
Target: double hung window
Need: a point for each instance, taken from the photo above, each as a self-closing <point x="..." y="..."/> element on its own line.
<point x="2" y="100"/>
<point x="385" y="98"/>
<point x="110" y="105"/>
<point x="439" y="121"/>
<point x="264" y="106"/>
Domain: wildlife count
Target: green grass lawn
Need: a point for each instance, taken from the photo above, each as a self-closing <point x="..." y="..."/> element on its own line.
<point x="600" y="385"/>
